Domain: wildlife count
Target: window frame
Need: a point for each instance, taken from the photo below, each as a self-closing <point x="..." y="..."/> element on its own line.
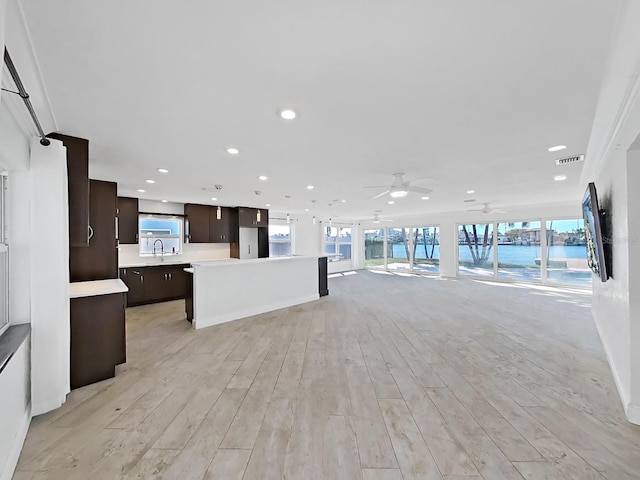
<point x="282" y="241"/>
<point x="337" y="256"/>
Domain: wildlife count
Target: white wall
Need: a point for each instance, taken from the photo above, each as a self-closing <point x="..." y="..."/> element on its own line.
<point x="610" y="303"/>
<point x="633" y="262"/>
<point x="38" y="280"/>
<point x="15" y="416"/>
<point x="616" y="304"/>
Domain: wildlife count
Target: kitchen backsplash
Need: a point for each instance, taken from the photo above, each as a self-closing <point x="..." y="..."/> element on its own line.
<point x="191" y="252"/>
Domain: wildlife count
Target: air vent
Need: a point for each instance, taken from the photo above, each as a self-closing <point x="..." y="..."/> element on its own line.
<point x="566" y="160"/>
<point x="470" y="200"/>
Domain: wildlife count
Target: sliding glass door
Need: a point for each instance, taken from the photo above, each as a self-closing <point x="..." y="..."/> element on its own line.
<point x="519" y="251"/>
<point x="425" y="249"/>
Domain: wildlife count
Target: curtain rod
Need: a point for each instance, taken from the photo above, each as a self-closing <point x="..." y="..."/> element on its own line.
<point x="24" y="95"/>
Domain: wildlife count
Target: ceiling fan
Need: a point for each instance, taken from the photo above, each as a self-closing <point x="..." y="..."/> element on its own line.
<point x="486" y="209"/>
<point x="376" y="219"/>
<point x="400" y="187"/>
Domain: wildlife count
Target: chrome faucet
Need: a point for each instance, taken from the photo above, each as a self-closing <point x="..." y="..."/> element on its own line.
<point x="161" y="247"/>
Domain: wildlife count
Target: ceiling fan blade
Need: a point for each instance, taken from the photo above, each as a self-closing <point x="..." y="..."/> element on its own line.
<point x="498" y="211"/>
<point x="377" y="186"/>
<point x="380" y="194"/>
<point x="411" y="188"/>
<point x="422" y="179"/>
<point x="386" y="220"/>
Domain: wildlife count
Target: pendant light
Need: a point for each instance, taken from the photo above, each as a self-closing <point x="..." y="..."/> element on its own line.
<point x="314" y="212"/>
<point x="219" y="213"/>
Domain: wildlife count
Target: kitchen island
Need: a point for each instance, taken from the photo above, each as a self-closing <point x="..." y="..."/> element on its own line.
<point x="225" y="290"/>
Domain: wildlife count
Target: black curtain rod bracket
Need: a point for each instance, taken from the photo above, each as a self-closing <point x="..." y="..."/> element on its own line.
<point x="25" y="96"/>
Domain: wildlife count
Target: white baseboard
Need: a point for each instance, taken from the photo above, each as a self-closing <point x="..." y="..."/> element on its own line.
<point x="14" y="456"/>
<point x="49" y="405"/>
<point x="238" y="314"/>
<point x="633" y="413"/>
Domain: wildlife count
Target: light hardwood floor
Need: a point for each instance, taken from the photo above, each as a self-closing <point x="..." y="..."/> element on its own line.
<point x="388" y="378"/>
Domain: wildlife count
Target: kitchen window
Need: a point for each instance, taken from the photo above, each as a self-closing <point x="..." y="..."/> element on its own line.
<point x="160" y="235"/>
<point x="279" y="240"/>
<point x="337" y="243"/>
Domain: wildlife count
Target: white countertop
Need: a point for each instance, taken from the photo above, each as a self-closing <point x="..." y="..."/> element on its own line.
<point x="96" y="287"/>
<point x="236" y="261"/>
<point x="154" y="262"/>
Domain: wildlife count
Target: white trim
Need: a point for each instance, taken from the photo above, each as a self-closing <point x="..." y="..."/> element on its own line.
<point x="210" y="321"/>
<point x="14" y="456"/>
<point x="632" y="412"/>
<point x="48" y="405"/>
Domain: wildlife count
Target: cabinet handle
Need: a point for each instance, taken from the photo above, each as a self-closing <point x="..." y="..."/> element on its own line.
<point x="141" y="278"/>
<point x="171" y="276"/>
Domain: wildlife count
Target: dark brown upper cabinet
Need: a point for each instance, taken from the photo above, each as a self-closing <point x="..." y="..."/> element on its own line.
<point x="225" y="228"/>
<point x="248" y="217"/>
<point x="100" y="260"/>
<point x="78" y="187"/>
<point x="127" y="220"/>
<point x="198" y="218"/>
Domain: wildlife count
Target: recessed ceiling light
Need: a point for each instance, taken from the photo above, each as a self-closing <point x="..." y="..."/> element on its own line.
<point x="141" y="190"/>
<point x="425" y="198"/>
<point x="163" y="170"/>
<point x="267" y="204"/>
<point x="343" y="201"/>
<point x="214" y="198"/>
<point x="560" y="178"/>
<point x="471" y="191"/>
<point x="557" y="148"/>
<point x="309" y="187"/>
<point x="150" y="181"/>
<point x="306" y="209"/>
<point x="233" y="151"/>
<point x="262" y="177"/>
<point x="288" y="114"/>
<point x="165" y="201"/>
<point x="391" y="202"/>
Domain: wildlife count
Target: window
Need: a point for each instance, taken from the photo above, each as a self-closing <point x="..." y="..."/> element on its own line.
<point x="337" y="243"/>
<point x="475" y="252"/>
<point x="4" y="257"/>
<point x="519" y="251"/>
<point x="279" y="240"/>
<point x="160" y="234"/>
<point x="374" y="248"/>
<point x="567" y="252"/>
<point x="426" y="249"/>
<point x="398" y="249"/>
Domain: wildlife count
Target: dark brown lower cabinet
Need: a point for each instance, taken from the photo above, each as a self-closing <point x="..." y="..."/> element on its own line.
<point x="154" y="284"/>
<point x="98" y="341"/>
<point x="188" y="299"/>
<point x="323" y="282"/>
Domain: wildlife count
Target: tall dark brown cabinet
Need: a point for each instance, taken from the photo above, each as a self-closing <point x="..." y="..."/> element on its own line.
<point x="99" y="260"/>
<point x="78" y="187"/>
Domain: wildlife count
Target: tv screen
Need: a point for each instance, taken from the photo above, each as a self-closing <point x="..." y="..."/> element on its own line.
<point x="593" y="232"/>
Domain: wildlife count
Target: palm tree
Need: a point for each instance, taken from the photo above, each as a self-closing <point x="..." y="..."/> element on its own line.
<point x="479" y="257"/>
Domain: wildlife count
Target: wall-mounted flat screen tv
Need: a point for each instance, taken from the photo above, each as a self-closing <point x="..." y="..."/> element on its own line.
<point x="593" y="233"/>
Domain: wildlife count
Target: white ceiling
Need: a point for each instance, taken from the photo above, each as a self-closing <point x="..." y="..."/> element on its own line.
<point x="469" y="93"/>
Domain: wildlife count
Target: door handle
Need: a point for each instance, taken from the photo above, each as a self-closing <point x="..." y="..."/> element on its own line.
<point x="249" y="249"/>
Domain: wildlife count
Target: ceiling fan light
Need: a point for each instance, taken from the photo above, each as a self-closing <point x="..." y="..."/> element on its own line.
<point x="398" y="193"/>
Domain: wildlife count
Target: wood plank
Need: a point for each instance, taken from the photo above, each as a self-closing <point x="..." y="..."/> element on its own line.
<point x="414" y="457"/>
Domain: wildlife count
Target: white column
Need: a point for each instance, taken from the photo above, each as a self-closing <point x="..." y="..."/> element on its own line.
<point x="50" y="333"/>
